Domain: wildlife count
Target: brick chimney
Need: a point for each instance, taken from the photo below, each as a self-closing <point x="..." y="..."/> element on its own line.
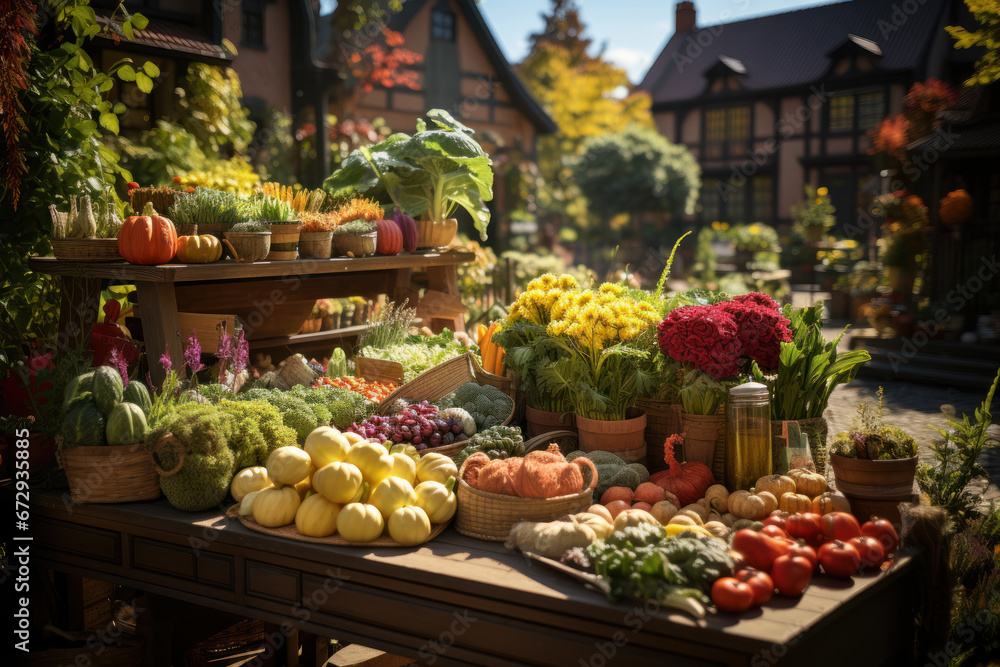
<point x="685" y="16"/>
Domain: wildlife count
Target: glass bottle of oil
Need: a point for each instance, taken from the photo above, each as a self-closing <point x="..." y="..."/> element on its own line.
<point x="748" y="435"/>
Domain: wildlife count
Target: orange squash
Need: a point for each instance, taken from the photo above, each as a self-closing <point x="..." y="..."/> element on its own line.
<point x="389" y="239"/>
<point x="148" y="238"/>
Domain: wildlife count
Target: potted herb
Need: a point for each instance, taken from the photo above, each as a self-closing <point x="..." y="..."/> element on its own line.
<point x="813" y="218"/>
<point x="316" y="238"/>
<point x="428" y="175"/>
<point x="249" y="241"/>
<point x="874" y="461"/>
<point x="355" y="239"/>
<point x="214" y="211"/>
<point x="285" y="228"/>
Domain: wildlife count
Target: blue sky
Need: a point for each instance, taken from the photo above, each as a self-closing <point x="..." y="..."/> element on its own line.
<point x="632" y="31"/>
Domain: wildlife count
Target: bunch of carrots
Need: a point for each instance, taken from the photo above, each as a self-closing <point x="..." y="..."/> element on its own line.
<point x="492" y="353"/>
<point x="373" y="391"/>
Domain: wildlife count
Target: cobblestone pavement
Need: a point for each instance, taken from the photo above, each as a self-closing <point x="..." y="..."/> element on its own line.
<point x="912" y="407"/>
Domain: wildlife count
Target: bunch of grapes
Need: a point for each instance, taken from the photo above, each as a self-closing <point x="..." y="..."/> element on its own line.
<point x="417" y="424"/>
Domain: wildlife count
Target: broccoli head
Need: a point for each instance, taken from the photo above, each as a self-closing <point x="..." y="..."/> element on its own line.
<point x="202" y="482"/>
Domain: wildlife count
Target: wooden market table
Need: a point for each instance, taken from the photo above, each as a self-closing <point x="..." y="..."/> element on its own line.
<point x="457" y="600"/>
<point x="265" y="295"/>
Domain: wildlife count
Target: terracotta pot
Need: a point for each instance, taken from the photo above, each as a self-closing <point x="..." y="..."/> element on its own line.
<point x="624" y="437"/>
<point x="875" y="480"/>
<point x="704" y="437"/>
<point x="315" y="245"/>
<point x="436" y="235"/>
<point x="543" y="421"/>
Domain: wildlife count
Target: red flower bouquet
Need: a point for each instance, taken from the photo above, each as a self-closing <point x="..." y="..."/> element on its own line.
<point x="705" y="336"/>
<point x="761" y="326"/>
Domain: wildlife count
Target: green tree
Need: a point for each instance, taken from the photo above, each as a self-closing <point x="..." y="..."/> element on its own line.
<point x="64" y="117"/>
<point x="637" y="171"/>
<point x="987" y="14"/>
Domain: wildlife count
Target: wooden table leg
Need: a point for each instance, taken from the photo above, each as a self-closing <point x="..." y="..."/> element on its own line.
<point x="160" y="327"/>
<point x="78" y="311"/>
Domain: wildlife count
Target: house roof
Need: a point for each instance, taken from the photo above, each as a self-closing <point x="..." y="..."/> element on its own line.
<point x="169" y="36"/>
<point x="793" y="48"/>
<point x="520" y="96"/>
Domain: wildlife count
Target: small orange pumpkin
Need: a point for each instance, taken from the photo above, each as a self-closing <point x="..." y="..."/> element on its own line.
<point x="794" y="502"/>
<point x="148" y="238"/>
<point x="830" y="502"/>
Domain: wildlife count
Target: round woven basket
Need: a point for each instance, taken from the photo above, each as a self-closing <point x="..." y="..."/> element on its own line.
<point x="435" y="235"/>
<point x="284" y="241"/>
<point x="358" y="245"/>
<point x="705" y="441"/>
<point x="249" y="246"/>
<point x="490" y="516"/>
<point x="86" y="250"/>
<point x="315" y="245"/>
<point x="663" y="420"/>
<point x="112" y="474"/>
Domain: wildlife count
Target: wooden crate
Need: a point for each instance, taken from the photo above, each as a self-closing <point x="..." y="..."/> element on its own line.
<point x="379" y="370"/>
<point x="206" y="327"/>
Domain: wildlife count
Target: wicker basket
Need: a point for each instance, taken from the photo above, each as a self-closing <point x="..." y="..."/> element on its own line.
<point x="315" y="245"/>
<point x="663" y="420"/>
<point x="87" y="250"/>
<point x="358" y="245"/>
<point x="444" y="379"/>
<point x="490" y="516"/>
<point x="435" y="235"/>
<point x="112" y="474"/>
<point x="284" y="240"/>
<point x="248" y="246"/>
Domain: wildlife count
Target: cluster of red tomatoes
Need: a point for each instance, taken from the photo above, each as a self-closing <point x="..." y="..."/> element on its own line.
<point x="784" y="555"/>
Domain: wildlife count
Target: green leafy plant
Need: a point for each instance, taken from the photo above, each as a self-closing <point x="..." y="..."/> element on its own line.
<point x="430" y="174"/>
<point x="702" y="394"/>
<point x="210" y="207"/>
<point x="947" y="482"/>
<point x="809" y="367"/>
<point x="270" y="209"/>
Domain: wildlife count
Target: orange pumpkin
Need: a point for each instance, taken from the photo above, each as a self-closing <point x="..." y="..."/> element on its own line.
<point x="390" y="238"/>
<point x="955" y="208"/>
<point x="148" y="238"/>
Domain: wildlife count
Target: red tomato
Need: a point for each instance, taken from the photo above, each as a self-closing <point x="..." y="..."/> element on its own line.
<point x="871" y="552"/>
<point x="732" y="595"/>
<point x="806" y="526"/>
<point x="760" y="582"/>
<point x="882" y="531"/>
<point x="776" y="518"/>
<point x="791" y="574"/>
<point x="840" y="526"/>
<point x="804" y="551"/>
<point x="839" y="559"/>
<point x="775" y="532"/>
<point x="759" y="550"/>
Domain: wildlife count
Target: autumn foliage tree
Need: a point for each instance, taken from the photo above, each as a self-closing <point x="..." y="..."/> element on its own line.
<point x="918" y="119"/>
<point x="987" y="37"/>
<point x="585" y="94"/>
